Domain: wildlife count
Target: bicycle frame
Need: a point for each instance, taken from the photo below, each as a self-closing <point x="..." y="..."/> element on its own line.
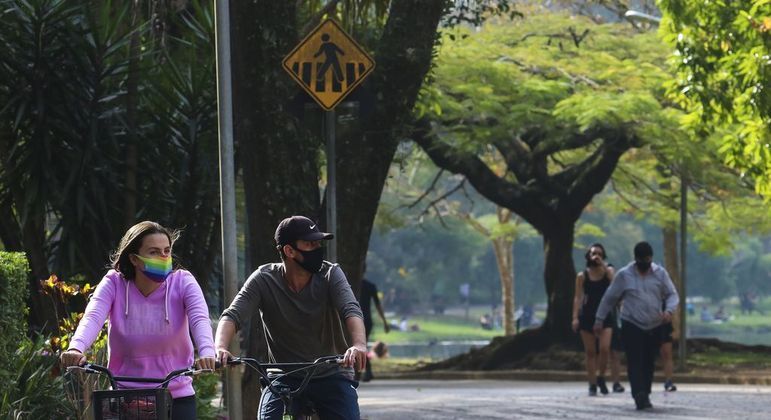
<point x="287" y="395"/>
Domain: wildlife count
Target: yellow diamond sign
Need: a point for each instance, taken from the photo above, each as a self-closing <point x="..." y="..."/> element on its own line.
<point x="328" y="64"/>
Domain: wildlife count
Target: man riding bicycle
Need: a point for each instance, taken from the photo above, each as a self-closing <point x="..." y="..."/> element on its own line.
<point x="302" y="301"/>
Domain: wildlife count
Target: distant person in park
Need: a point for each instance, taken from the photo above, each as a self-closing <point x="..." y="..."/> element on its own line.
<point x="705" y="315"/>
<point x="486" y="322"/>
<point x="644" y="287"/>
<point x="379" y="351"/>
<point x="590" y="286"/>
<point x="721" y="314"/>
<point x="748" y="303"/>
<point x="304" y="304"/>
<point x="367" y="295"/>
<point x="152" y="310"/>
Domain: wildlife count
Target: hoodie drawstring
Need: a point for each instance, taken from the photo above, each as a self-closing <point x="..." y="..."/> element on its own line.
<point x="127" y="292"/>
<point x="165" y="300"/>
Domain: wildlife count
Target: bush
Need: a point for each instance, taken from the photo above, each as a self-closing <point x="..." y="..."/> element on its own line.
<point x="13" y="310"/>
<point x="35" y="390"/>
<point x="205" y="392"/>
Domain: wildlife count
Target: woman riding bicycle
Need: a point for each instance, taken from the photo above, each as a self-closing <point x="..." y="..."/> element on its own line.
<point x="152" y="311"/>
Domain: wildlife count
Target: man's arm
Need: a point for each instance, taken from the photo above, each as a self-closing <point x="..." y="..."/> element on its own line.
<point x="356" y="355"/>
<point x="383" y="317"/>
<point x="671" y="297"/>
<point x="226" y="329"/>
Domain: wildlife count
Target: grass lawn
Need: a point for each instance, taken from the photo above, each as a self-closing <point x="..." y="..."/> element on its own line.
<point x="730" y="360"/>
<point x="434" y="328"/>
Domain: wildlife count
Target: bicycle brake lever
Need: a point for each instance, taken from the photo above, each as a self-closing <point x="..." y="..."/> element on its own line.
<point x="84" y="368"/>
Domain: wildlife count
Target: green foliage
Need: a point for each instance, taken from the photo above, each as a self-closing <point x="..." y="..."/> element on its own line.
<point x="34" y="390"/>
<point x="13" y="306"/>
<point x="87" y="85"/>
<point x="205" y="391"/>
<point x="540" y="72"/>
<point x="723" y="61"/>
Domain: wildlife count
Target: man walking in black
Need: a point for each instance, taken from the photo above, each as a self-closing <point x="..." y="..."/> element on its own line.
<point x="645" y="287"/>
<point x="368" y="294"/>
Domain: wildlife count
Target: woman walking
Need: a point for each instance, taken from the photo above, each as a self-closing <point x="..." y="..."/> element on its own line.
<point x="590" y="286"/>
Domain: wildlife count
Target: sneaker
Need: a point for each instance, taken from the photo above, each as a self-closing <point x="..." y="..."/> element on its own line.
<point x="602" y="385"/>
<point x="592" y="390"/>
<point x="617" y="387"/>
<point x="669" y="386"/>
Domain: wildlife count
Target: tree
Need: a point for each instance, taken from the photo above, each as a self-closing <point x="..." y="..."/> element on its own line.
<point x="724" y="73"/>
<point x="560" y="100"/>
<point x="279" y="156"/>
<point x="63" y="134"/>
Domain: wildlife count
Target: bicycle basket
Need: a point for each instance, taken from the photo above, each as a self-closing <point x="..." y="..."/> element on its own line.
<point x="132" y="404"/>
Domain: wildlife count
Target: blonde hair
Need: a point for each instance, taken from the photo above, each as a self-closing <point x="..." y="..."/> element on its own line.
<point x="132" y="241"/>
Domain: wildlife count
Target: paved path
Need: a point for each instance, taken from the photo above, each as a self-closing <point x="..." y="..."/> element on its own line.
<point x="495" y="399"/>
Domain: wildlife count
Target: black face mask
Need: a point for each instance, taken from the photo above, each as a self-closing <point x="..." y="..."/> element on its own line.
<point x="592" y="263"/>
<point x="643" y="266"/>
<point x="312" y="260"/>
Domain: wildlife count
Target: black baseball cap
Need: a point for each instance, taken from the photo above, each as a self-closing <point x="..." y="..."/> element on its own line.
<point x="297" y="228"/>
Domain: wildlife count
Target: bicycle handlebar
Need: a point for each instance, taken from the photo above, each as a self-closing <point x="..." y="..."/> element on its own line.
<point x="288" y="365"/>
<point x="98" y="369"/>
<point x="292" y="367"/>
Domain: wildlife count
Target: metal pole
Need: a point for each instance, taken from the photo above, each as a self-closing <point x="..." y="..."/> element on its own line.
<point x="227" y="189"/>
<point x="681" y="350"/>
<point x="329" y="128"/>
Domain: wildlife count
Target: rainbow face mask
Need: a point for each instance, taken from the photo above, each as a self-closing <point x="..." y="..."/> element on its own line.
<point x="156" y="269"/>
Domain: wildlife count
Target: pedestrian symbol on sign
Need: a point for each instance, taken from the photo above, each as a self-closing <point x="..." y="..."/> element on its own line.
<point x="328" y="64"/>
<point x="330" y="50"/>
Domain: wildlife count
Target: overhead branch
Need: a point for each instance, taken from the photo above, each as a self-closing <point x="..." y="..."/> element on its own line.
<point x="442" y="197"/>
<point x="511" y="195"/>
<point x="595" y="171"/>
<point x="428" y="190"/>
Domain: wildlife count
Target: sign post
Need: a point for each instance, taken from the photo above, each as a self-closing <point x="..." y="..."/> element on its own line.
<point x="227" y="189"/>
<point x="328" y="64"/>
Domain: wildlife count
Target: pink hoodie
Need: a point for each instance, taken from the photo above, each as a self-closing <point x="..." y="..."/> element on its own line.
<point x="149" y="336"/>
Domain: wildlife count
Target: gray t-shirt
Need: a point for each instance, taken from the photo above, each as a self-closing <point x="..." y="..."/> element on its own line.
<point x="299" y="326"/>
<point x="643" y="296"/>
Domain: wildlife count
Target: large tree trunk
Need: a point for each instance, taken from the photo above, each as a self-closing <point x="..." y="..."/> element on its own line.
<point x="403" y="59"/>
<point x="559" y="277"/>
<point x="504" y="257"/>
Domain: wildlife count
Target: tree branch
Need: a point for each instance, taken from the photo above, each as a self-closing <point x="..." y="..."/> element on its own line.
<point x="428" y="190"/>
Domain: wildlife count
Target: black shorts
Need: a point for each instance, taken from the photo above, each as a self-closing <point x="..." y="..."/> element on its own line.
<point x="666" y="332"/>
<point x="586" y="322"/>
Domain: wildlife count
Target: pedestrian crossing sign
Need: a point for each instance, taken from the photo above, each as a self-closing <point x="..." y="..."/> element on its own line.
<point x="328" y="64"/>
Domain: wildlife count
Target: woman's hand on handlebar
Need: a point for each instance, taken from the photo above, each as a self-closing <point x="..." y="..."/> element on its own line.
<point x="355" y="357"/>
<point x="72" y="357"/>
<point x="206" y="363"/>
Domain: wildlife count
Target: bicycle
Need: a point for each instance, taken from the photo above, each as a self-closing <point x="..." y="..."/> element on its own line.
<point x="133" y="403"/>
<point x="271" y="373"/>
